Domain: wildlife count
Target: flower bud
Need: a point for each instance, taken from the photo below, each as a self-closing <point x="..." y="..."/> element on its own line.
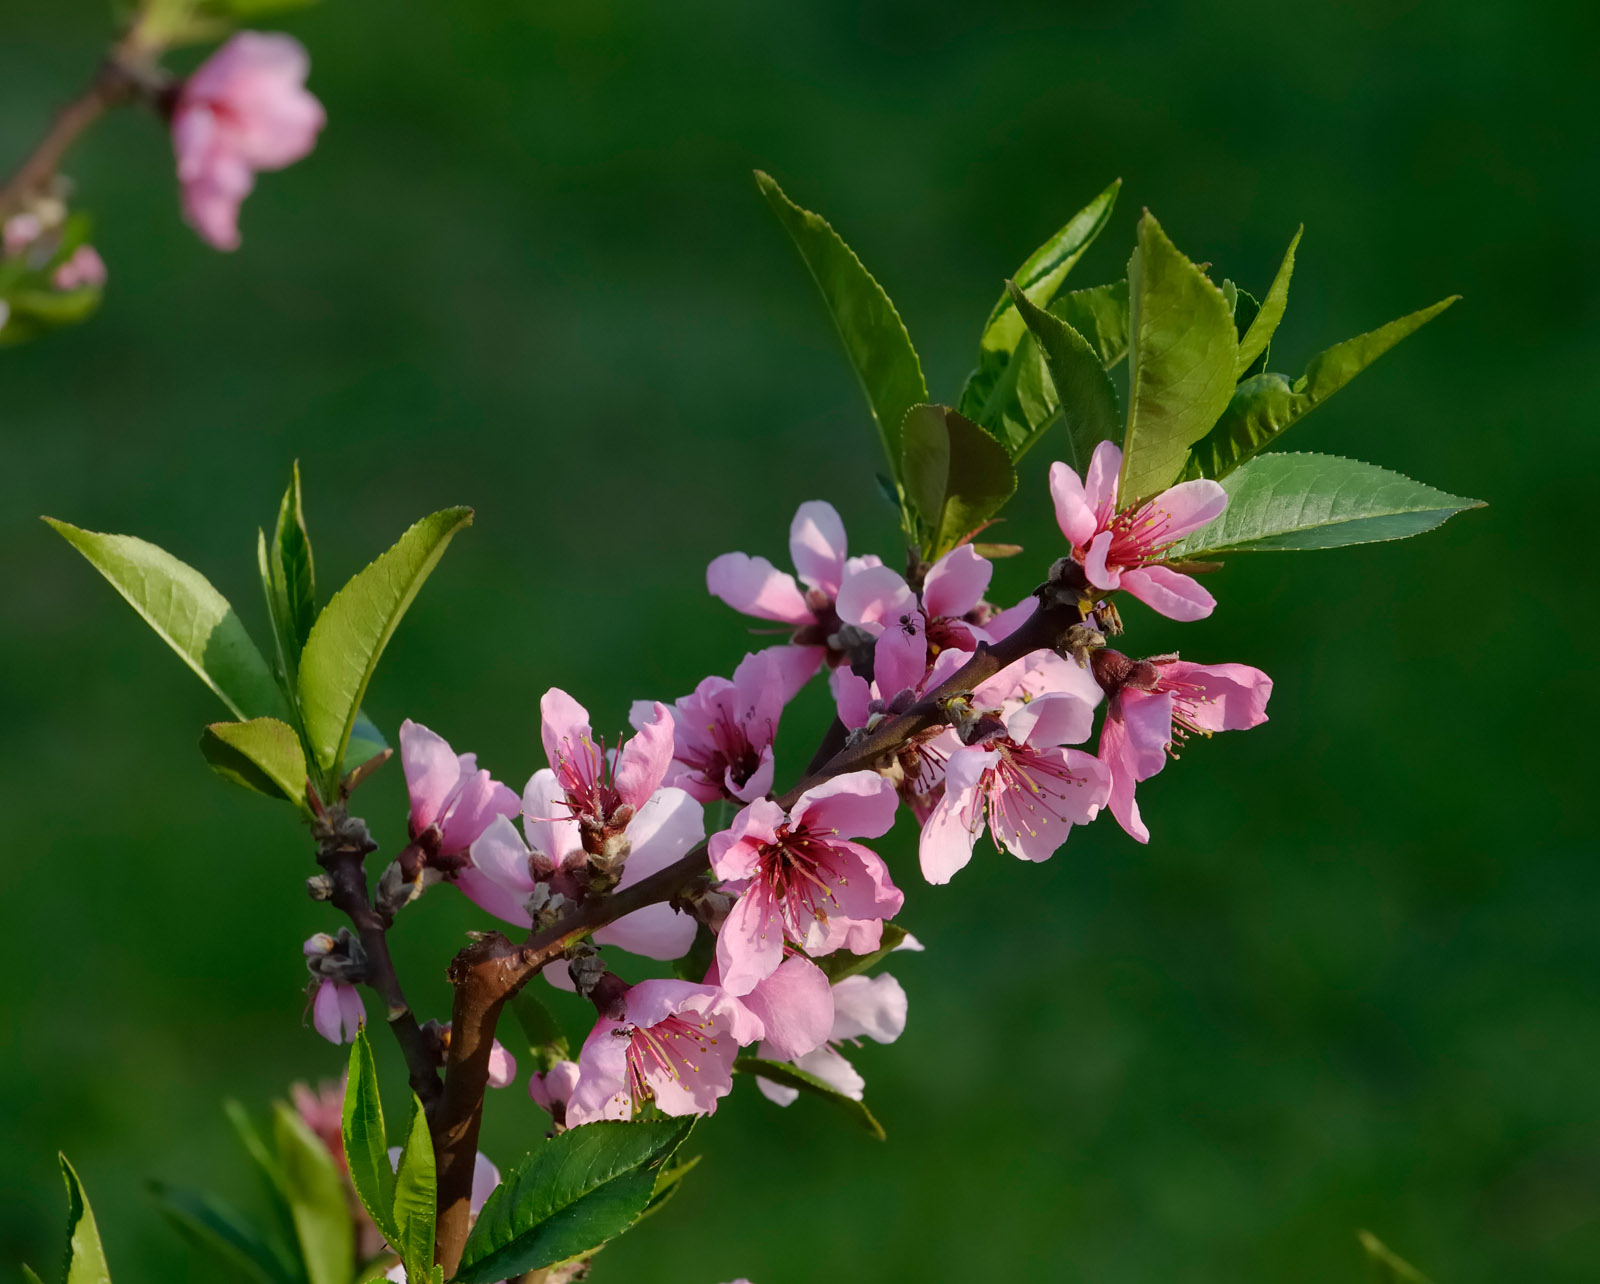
<point x="319" y="887"/>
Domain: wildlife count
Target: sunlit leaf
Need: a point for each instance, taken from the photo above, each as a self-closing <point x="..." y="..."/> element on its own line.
<point x="315" y="1191"/>
<point x="263" y="754"/>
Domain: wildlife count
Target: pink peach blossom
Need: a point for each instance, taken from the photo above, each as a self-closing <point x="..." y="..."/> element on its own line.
<point x="552" y="1090"/>
<point x="675" y="1046"/>
<point x="602" y="790"/>
<point x="1154" y="705"/>
<point x="337" y="1011"/>
<point x="452" y="800"/>
<point x="1125" y="549"/>
<point x="83" y="270"/>
<point x="799" y="879"/>
<point x="245" y="109"/>
<point x="754" y="586"/>
<point x="1030" y="789"/>
<point x="723" y="732"/>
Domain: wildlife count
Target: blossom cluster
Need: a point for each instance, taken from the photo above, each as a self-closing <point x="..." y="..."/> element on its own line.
<point x="793" y="885"/>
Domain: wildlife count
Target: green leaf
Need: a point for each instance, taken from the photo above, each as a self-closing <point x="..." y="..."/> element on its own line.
<point x="1100" y="315"/>
<point x="262" y="754"/>
<point x="667" y="1185"/>
<point x="547" y="1041"/>
<point x="1265" y="322"/>
<point x="366" y="1143"/>
<point x="315" y="1191"/>
<point x="85" y="1259"/>
<point x="842" y="963"/>
<point x="242" y="1248"/>
<point x="416" y="1191"/>
<point x="792" y="1076"/>
<point x="1040" y="277"/>
<point x="29" y="1275"/>
<point x="1182" y="358"/>
<point x="269" y="1170"/>
<point x="1263" y="407"/>
<point x="349" y="636"/>
<point x="1387" y="1266"/>
<point x="874" y="337"/>
<point x="289" y="576"/>
<point x="957" y="476"/>
<point x="188" y="613"/>
<point x="581" y="1188"/>
<point x="366" y="742"/>
<point x="1082" y="390"/>
<point x="1296" y="501"/>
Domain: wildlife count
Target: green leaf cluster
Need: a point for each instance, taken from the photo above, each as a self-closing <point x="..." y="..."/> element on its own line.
<point x="297" y="718"/>
<point x="30" y="303"/>
<point x="310" y="1237"/>
<point x="1200" y="399"/>
<point x="83" y="1261"/>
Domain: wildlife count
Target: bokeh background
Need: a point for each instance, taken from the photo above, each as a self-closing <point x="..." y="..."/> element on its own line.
<point x="1353" y="981"/>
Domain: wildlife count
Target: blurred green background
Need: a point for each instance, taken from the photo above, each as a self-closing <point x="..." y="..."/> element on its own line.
<point x="1352" y="982"/>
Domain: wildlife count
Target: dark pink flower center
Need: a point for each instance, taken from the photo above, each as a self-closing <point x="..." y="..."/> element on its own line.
<point x="797" y="875"/>
<point x="586" y="775"/>
<point x="1140" y="535"/>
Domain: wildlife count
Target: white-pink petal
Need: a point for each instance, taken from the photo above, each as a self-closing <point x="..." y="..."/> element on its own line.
<point x="956" y="582"/>
<point x="754" y="586"/>
<point x="817" y="545"/>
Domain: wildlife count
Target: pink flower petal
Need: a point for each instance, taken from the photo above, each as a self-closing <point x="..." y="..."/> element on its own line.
<point x="753" y="586"/>
<point x="1094" y="563"/>
<point x="502" y="1071"/>
<point x="432" y="772"/>
<point x="852" y="696"/>
<point x="868" y="1007"/>
<point x="1114" y="752"/>
<point x="900" y="658"/>
<point x="858" y="804"/>
<point x="794" y="666"/>
<point x="874" y="597"/>
<point x="1188" y="506"/>
<point x="956" y="582"/>
<point x="1231" y="697"/>
<point x="655" y="932"/>
<point x="1147" y="717"/>
<point x="952" y="829"/>
<point x="644" y="759"/>
<point x="1052" y="719"/>
<point x="1174" y="595"/>
<point x="501" y="856"/>
<point x="733" y="852"/>
<point x="795" y="1007"/>
<point x="1100" y="482"/>
<point x="563" y="726"/>
<point x="817" y="544"/>
<point x="1074" y="511"/>
<point x="493" y="898"/>
<point x="750" y="945"/>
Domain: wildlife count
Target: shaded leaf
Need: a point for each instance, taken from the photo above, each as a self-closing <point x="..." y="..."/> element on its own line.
<point x="366" y="742"/>
<point x="667" y="1184"/>
<point x="1387" y="1266"/>
<point x="874" y="337"/>
<point x="366" y="1143"/>
<point x="30" y="1275"/>
<point x="1264" y="323"/>
<point x="188" y="614"/>
<point x="263" y="754"/>
<point x="957" y="475"/>
<point x="349" y="636"/>
<point x="1265" y="406"/>
<point x="416" y="1197"/>
<point x="1182" y="355"/>
<point x="242" y="1248"/>
<point x="1293" y="501"/>
<point x="547" y="1041"/>
<point x="1100" y="315"/>
<point x="1081" y="389"/>
<point x="581" y="1188"/>
<point x="315" y="1191"/>
<point x="290" y="578"/>
<point x="842" y="963"/>
<point x="791" y="1076"/>
<point x="85" y="1259"/>
<point x="1039" y="278"/>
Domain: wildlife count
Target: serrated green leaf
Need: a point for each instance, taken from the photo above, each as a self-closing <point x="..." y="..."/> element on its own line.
<point x="315" y="1192"/>
<point x="1040" y="276"/>
<point x="1293" y="501"/>
<point x="575" y="1192"/>
<point x="1264" y="324"/>
<point x="243" y="1249"/>
<point x="349" y="636"/>
<point x="85" y="1260"/>
<point x="1183" y="352"/>
<point x="366" y="1143"/>
<point x="1080" y="388"/>
<point x="842" y="963"/>
<point x="188" y="614"/>
<point x="1100" y="315"/>
<point x="416" y="1197"/>
<point x="791" y="1076"/>
<point x="957" y="475"/>
<point x="1262" y="408"/>
<point x="874" y="337"/>
<point x="262" y="754"/>
<point x="1388" y="1267"/>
